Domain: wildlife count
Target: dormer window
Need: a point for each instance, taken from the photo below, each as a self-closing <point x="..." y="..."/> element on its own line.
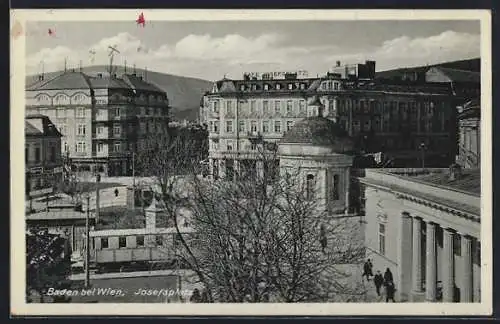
<point x="290" y="86"/>
<point x="302" y="86"/>
<point x="254" y="87"/>
<point x="266" y="86"/>
<point x="278" y="86"/>
<point x="242" y="87"/>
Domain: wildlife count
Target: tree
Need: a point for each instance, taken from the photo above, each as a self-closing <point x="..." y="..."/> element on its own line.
<point x="256" y="238"/>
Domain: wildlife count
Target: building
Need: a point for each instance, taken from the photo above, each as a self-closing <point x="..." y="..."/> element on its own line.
<point x="103" y="118"/>
<point x="42" y="153"/>
<point x="380" y="115"/>
<point x="424" y="225"/>
<point x="469" y="129"/>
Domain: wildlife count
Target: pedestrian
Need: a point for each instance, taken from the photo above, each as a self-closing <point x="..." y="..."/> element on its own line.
<point x="204" y="296"/>
<point x="370" y="268"/>
<point x="388" y="277"/>
<point x="322" y="237"/>
<point x="366" y="270"/>
<point x="116" y="192"/>
<point x="378" y="280"/>
<point x="390" y="289"/>
<point x="195" y="297"/>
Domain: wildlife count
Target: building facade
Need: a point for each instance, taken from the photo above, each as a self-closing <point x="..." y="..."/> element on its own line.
<point x="469" y="129"/>
<point x="102" y="118"/>
<point x="424" y="225"/>
<point x="42" y="155"/>
<point x="380" y="116"/>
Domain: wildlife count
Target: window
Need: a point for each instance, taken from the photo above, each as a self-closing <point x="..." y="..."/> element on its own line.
<point x="310" y="187"/>
<point x="81" y="130"/>
<point x="229" y="107"/>
<point x="277" y="126"/>
<point x="302" y="86"/>
<point x="277" y="106"/>
<point x="289" y="107"/>
<point x="381" y="239"/>
<point x="290" y="86"/>
<point x="289" y="125"/>
<point x="253" y="146"/>
<point x="265" y="126"/>
<point x="216" y="106"/>
<point x="229" y="126"/>
<point x="104" y="243"/>
<point x="37" y="154"/>
<point x="241" y="126"/>
<point x="66" y="147"/>
<point x="229" y="145"/>
<point x="335" y="195"/>
<point x="100" y="147"/>
<point x="278" y="86"/>
<point x="252" y="107"/>
<point x="159" y="240"/>
<point x="117" y="147"/>
<point x="81" y="112"/>
<point x="265" y="106"/>
<point x="139" y="240"/>
<point x="457" y="244"/>
<point x="329" y="85"/>
<point x="100" y="129"/>
<point x="242" y="87"/>
<point x="266" y="87"/>
<point x="117" y="112"/>
<point x="52" y="151"/>
<point x="81" y="147"/>
<point x="302" y="106"/>
<point x="216" y="126"/>
<point x="117" y="129"/>
<point x="253" y="126"/>
<point x="122" y="242"/>
<point x="335" y="86"/>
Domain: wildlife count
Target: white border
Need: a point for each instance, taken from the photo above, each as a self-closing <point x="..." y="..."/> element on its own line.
<point x="17" y="77"/>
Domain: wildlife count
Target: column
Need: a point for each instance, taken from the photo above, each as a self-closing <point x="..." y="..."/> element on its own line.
<point x="404" y="260"/>
<point x="448" y="264"/>
<point x="347" y="188"/>
<point x="466" y="292"/>
<point x="417" y="255"/>
<point x="430" y="269"/>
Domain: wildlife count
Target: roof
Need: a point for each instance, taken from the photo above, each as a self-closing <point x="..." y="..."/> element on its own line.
<point x="469" y="181"/>
<point x="64" y="214"/>
<point x="319" y="131"/>
<point x="140" y="231"/>
<point x="137" y="83"/>
<point x="108" y="83"/>
<point x="456" y="75"/>
<point x="66" y="80"/>
<point x="471" y="109"/>
<point x="40" y="125"/>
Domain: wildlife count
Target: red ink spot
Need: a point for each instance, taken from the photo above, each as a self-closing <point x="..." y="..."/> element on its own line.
<point x="17" y="30"/>
<point x="52" y="32"/>
<point x="141" y="20"/>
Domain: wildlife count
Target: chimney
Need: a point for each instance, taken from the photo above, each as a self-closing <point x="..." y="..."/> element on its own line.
<point x="338" y="63"/>
<point x="455" y="172"/>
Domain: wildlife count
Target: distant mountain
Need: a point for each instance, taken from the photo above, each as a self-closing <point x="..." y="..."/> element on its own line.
<point x="183" y="93"/>
<point x="473" y="65"/>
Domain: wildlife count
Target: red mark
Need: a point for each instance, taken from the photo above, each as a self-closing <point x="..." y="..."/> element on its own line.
<point x="52" y="32"/>
<point x="17" y="30"/>
<point x="141" y="20"/>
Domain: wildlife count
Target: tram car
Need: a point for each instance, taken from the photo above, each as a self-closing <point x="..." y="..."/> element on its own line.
<point x="141" y="245"/>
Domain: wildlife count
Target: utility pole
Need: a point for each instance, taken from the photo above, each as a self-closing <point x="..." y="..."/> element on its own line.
<point x="97" y="198"/>
<point x="133" y="177"/>
<point x="87" y="245"/>
<point x="422" y="148"/>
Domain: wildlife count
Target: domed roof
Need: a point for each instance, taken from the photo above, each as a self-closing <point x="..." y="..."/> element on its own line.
<point x="319" y="131"/>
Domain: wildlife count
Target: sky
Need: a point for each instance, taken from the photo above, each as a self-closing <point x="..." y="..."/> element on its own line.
<point x="211" y="50"/>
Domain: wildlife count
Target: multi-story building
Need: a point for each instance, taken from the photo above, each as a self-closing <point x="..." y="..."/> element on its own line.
<point x="425" y="226"/>
<point x="102" y="118"/>
<point x="42" y="154"/>
<point x="469" y="129"/>
<point x="380" y="115"/>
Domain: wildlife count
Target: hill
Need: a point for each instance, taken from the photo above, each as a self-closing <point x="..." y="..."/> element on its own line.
<point x="184" y="93"/>
<point x="473" y="65"/>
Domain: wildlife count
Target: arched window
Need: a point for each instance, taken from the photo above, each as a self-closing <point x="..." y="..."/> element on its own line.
<point x="310" y="187"/>
<point x="335" y="187"/>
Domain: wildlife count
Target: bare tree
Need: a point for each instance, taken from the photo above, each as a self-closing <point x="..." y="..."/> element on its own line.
<point x="257" y="238"/>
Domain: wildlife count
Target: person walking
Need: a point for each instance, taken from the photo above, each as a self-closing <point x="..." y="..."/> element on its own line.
<point x="390" y="289"/>
<point x="378" y="280"/>
<point x="388" y="276"/>
<point x="370" y="268"/>
<point x="195" y="297"/>
<point x="366" y="270"/>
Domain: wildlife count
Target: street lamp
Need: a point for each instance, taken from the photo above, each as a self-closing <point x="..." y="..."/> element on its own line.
<point x="422" y="150"/>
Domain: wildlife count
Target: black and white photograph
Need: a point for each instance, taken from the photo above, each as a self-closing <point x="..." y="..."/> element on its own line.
<point x="307" y="162"/>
